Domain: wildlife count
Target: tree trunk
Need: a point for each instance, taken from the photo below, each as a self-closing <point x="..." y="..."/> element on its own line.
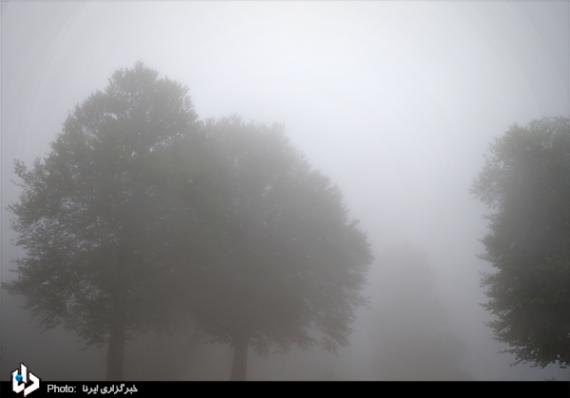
<point x="117" y="335"/>
<point x="239" y="362"/>
<point x="116" y="352"/>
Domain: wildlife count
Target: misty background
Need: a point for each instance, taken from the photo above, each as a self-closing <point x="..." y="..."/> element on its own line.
<point x="396" y="102"/>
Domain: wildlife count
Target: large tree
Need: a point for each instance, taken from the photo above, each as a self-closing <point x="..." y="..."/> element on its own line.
<point x="526" y="184"/>
<point x="289" y="262"/>
<point x="92" y="209"/>
<point x="141" y="215"/>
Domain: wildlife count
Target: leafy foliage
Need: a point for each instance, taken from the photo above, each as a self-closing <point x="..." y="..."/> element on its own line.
<point x="142" y="215"/>
<point x="90" y="255"/>
<point x="287" y="261"/>
<point x="526" y="184"/>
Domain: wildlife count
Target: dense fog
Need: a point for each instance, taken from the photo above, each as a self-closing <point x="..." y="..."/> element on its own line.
<point x="396" y="102"/>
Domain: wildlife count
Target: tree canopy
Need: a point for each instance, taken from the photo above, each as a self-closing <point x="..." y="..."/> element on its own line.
<point x="526" y="185"/>
<point x="289" y="263"/>
<point x="88" y="211"/>
<point x="141" y="215"/>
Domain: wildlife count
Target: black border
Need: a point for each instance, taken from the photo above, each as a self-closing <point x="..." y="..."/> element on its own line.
<point x="551" y="389"/>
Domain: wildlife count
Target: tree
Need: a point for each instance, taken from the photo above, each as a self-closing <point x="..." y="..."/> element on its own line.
<point x="141" y="216"/>
<point x="289" y="265"/>
<point x="526" y="184"/>
<point x="414" y="337"/>
<point x="90" y="212"/>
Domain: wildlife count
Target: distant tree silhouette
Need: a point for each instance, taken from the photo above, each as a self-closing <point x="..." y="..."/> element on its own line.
<point x="413" y="335"/>
<point x="90" y="212"/>
<point x="288" y="264"/>
<point x="526" y="185"/>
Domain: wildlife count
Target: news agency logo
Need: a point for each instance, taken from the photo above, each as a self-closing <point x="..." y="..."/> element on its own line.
<point x="20" y="378"/>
